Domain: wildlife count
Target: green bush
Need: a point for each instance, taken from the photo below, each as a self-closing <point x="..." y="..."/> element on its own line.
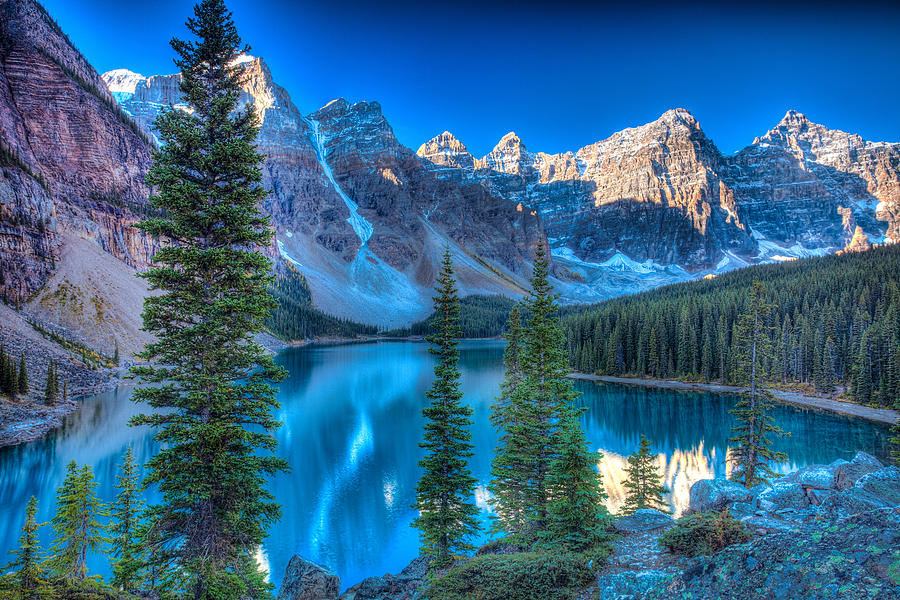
<point x="523" y="576"/>
<point x="703" y="533"/>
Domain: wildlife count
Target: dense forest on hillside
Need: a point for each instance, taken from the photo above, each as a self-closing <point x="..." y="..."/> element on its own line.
<point x="480" y="316"/>
<point x="295" y="317"/>
<point x="836" y="322"/>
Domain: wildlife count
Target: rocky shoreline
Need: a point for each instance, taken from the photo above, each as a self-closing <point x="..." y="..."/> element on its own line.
<point x="882" y="415"/>
<point x="825" y="531"/>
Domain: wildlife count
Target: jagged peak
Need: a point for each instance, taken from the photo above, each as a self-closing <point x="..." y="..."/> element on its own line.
<point x="244" y="59"/>
<point x="793" y="117"/>
<point x="122" y="81"/>
<point x="510" y="140"/>
<point x="445" y="140"/>
<point x="678" y="115"/>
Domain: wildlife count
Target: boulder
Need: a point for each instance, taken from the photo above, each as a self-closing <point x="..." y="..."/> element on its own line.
<point x="404" y="586"/>
<point x="883" y="484"/>
<point x="819" y="477"/>
<point x="862" y="464"/>
<point x="817" y="497"/>
<point x="855" y="561"/>
<point x="715" y="494"/>
<point x="768" y="524"/>
<point x="742" y="509"/>
<point x="783" y="494"/>
<point x="305" y="580"/>
<point x="848" y="503"/>
<point x="644" y="519"/>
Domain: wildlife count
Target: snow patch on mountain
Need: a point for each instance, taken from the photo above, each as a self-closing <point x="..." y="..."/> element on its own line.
<point x="361" y="227"/>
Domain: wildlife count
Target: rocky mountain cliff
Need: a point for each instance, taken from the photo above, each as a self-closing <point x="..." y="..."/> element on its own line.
<point x="71" y="168"/>
<point x="357" y="212"/>
<point x="661" y="198"/>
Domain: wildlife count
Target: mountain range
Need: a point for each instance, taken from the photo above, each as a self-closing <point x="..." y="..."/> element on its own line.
<point x="365" y="219"/>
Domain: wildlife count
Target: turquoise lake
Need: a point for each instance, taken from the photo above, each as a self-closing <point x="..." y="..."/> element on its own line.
<point x="351" y="425"/>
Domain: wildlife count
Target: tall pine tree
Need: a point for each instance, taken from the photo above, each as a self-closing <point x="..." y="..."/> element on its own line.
<point x="576" y="511"/>
<point x="754" y="424"/>
<point x="531" y="439"/>
<point x="210" y="381"/>
<point x="643" y="485"/>
<point x="447" y="514"/>
<point x="75" y="525"/>
<point x="26" y="576"/>
<point x="126" y="512"/>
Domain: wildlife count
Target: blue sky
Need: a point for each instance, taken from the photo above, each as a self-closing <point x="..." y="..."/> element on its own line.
<point x="561" y="74"/>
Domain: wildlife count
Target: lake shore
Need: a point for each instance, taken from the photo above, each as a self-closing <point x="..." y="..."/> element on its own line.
<point x="882" y="415"/>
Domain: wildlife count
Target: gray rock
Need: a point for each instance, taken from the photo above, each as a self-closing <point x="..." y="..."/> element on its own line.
<point x="305" y="580"/>
<point x="715" y="494"/>
<point x="630" y="585"/>
<point x="404" y="586"/>
<point x="742" y="509"/>
<point x="817" y="497"/>
<point x="883" y="484"/>
<point x="862" y="464"/>
<point x="851" y="561"/>
<point x="644" y="519"/>
<point x="848" y="503"/>
<point x="820" y="477"/>
<point x="783" y="494"/>
<point x="768" y="524"/>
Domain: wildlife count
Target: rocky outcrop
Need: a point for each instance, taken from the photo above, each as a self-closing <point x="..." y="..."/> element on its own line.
<point x="855" y="560"/>
<point x="305" y="580"/>
<point x="71" y="161"/>
<point x="404" y="586"/>
<point x="663" y="194"/>
<point x="649" y="192"/>
<point x="802" y="183"/>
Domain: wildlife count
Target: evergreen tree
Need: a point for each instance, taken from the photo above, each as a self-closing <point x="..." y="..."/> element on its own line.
<point x="754" y="424"/>
<point x="576" y="510"/>
<point x="643" y="485"/>
<point x="116" y="360"/>
<point x="512" y="368"/>
<point x="211" y="383"/>
<point x="75" y="524"/>
<point x="447" y="515"/>
<point x="126" y="510"/>
<point x="65" y="391"/>
<point x="26" y="578"/>
<point x="531" y="439"/>
<point x="23" y="376"/>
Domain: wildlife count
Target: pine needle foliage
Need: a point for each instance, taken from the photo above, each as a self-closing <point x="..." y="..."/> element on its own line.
<point x="126" y="511"/>
<point x="643" y="485"/>
<point x="754" y="424"/>
<point x="532" y="459"/>
<point x="210" y="383"/>
<point x="76" y="524"/>
<point x="577" y="512"/>
<point x="26" y="579"/>
<point x="447" y="515"/>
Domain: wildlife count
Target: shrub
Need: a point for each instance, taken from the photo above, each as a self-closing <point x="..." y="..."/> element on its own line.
<point x="524" y="576"/>
<point x="703" y="533"/>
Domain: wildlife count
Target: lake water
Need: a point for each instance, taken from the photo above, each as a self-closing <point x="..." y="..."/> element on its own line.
<point x="352" y="422"/>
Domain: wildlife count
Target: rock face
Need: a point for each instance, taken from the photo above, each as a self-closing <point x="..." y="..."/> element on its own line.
<point x="644" y="519"/>
<point x="715" y="494"/>
<point x="650" y="192"/>
<point x="662" y="194"/>
<point x="355" y="211"/>
<point x="71" y="161"/>
<point x="305" y="580"/>
<point x="856" y="560"/>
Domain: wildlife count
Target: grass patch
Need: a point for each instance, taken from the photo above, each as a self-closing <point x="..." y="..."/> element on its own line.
<point x="522" y="576"/>
<point x="703" y="534"/>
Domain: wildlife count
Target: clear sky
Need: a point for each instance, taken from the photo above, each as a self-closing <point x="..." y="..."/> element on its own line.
<point x="562" y="74"/>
